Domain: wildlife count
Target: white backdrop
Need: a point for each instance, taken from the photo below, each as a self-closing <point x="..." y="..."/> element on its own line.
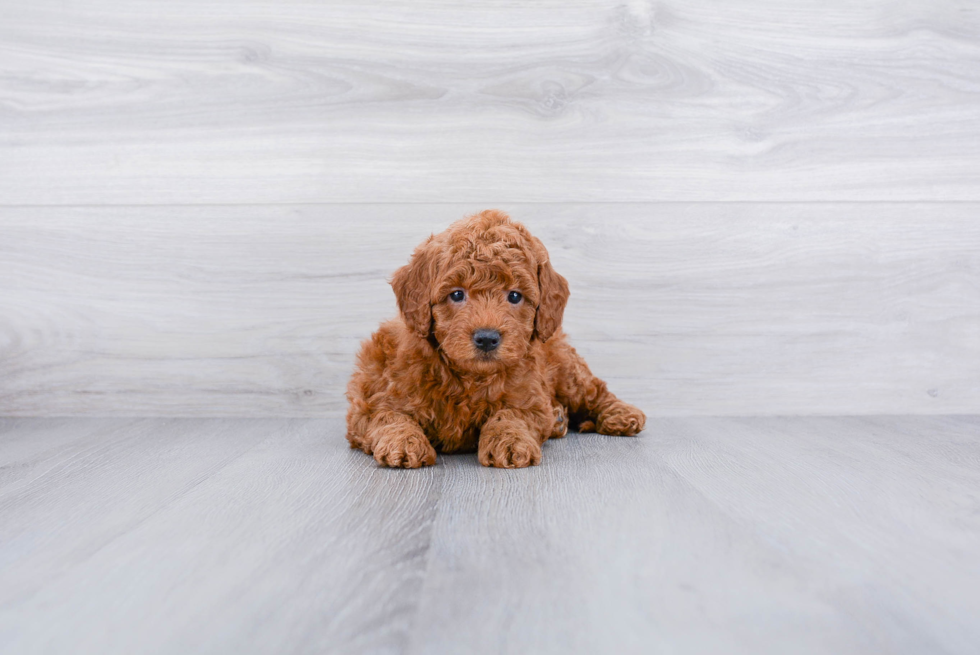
<point x="762" y="208"/>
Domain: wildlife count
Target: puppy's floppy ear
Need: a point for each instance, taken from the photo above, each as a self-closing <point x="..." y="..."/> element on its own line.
<point x="554" y="295"/>
<point x="412" y="284"/>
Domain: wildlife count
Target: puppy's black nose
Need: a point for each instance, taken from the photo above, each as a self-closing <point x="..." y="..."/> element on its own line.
<point x="486" y="340"/>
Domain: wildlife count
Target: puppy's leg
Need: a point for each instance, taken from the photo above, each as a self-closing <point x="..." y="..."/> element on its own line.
<point x="587" y="397"/>
<point x="508" y="440"/>
<point x="397" y="440"/>
<point x="366" y="384"/>
<point x="560" y="428"/>
<point x="619" y="418"/>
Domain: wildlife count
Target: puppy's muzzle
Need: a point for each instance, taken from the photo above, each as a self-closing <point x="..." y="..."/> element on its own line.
<point x="486" y="340"/>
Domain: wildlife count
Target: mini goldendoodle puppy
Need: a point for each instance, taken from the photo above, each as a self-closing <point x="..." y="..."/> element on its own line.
<point x="477" y="359"/>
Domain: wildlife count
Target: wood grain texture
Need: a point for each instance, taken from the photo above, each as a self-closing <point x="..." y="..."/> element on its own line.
<point x="267" y="101"/>
<point x="203" y="536"/>
<point x="736" y="535"/>
<point x="687" y="309"/>
<point x="716" y="535"/>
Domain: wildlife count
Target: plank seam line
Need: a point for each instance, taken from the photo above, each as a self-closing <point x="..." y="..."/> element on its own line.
<point x="409" y="641"/>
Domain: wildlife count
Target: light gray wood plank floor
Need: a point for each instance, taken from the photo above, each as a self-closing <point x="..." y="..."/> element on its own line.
<point x="736" y="535"/>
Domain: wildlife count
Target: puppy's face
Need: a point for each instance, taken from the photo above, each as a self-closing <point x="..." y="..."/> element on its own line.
<point x="484" y="316"/>
<point x="481" y="291"/>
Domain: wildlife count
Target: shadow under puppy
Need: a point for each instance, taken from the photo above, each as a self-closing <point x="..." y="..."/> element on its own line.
<point x="477" y="359"/>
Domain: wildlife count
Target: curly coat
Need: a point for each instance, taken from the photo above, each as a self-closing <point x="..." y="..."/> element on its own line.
<point x="424" y="383"/>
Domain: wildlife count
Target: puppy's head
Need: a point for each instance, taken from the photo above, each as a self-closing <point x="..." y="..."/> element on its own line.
<point x="483" y="290"/>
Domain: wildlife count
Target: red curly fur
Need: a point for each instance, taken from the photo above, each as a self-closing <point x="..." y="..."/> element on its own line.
<point x="422" y="385"/>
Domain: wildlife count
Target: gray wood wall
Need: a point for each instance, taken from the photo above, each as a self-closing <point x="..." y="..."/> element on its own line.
<point x="762" y="207"/>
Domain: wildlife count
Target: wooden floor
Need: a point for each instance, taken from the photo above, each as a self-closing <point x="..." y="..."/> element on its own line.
<point x="734" y="535"/>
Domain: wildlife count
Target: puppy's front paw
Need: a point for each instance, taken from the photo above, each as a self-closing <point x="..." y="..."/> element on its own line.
<point x="620" y="419"/>
<point x="401" y="446"/>
<point x="508" y="446"/>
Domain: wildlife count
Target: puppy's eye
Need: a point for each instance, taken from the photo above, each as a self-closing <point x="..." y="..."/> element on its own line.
<point x="457" y="295"/>
<point x="514" y="297"/>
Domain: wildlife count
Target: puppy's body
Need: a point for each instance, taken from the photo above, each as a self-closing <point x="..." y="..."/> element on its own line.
<point x="477" y="359"/>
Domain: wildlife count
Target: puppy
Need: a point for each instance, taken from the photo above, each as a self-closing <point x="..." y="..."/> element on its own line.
<point x="477" y="359"/>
